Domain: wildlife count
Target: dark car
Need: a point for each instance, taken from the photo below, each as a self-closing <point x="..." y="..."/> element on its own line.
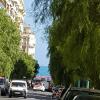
<point x="73" y="91"/>
<point x="86" y="97"/>
<point x="4" y="86"/>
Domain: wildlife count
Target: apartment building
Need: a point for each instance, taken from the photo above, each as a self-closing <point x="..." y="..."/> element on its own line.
<point x="15" y="9"/>
<point x="2" y="3"/>
<point x="28" y="41"/>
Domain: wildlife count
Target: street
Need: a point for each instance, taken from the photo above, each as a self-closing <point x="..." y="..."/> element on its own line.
<point x="32" y="95"/>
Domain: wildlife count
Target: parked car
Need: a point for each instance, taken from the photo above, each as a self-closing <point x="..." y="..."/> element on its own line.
<point x="38" y="86"/>
<point x="18" y="87"/>
<point x="4" y="85"/>
<point x="86" y="97"/>
<point x="57" y="91"/>
<point x="35" y="80"/>
<point x="47" y="85"/>
<point x="73" y="91"/>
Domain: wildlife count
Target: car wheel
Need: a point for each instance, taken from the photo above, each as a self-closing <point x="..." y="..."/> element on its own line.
<point x="3" y="93"/>
<point x="10" y="94"/>
<point x="25" y="95"/>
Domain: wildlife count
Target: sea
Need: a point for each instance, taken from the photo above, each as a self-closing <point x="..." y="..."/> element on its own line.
<point x="43" y="71"/>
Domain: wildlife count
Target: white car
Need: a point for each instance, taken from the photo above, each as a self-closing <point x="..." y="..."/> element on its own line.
<point x="39" y="86"/>
<point x="18" y="87"/>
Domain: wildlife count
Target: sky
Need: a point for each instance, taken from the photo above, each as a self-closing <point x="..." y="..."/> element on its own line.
<point x="41" y="43"/>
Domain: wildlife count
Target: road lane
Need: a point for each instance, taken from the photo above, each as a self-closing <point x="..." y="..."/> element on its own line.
<point x="32" y="95"/>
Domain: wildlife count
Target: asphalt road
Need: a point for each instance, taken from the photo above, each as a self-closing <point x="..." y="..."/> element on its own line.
<point x="32" y="95"/>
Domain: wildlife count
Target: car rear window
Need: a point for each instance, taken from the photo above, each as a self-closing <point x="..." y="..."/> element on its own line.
<point x="16" y="84"/>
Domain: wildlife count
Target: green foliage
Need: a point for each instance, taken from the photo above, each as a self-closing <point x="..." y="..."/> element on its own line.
<point x="9" y="43"/>
<point x="36" y="70"/>
<point x="13" y="62"/>
<point x="24" y="67"/>
<point x="75" y="35"/>
<point x="74" y="40"/>
<point x="40" y="10"/>
<point x="5" y="64"/>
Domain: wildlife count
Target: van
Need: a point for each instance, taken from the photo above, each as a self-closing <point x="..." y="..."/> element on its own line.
<point x="18" y="88"/>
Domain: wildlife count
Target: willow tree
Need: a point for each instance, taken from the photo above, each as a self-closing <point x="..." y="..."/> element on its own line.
<point x="74" y="37"/>
<point x="76" y="29"/>
<point x="9" y="43"/>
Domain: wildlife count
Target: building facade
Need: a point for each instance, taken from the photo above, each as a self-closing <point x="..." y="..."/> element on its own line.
<point x="28" y="41"/>
<point x="15" y="9"/>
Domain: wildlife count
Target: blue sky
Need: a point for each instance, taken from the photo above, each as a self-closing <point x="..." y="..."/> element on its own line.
<point x="41" y="44"/>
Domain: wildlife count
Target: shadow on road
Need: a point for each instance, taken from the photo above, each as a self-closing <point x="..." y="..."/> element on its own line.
<point x="39" y="96"/>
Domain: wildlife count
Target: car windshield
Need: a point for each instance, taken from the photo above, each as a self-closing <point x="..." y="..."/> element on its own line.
<point x="1" y="81"/>
<point x="18" y="84"/>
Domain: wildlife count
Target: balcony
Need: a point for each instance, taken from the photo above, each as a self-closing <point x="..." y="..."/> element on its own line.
<point x="3" y="2"/>
<point x="16" y="1"/>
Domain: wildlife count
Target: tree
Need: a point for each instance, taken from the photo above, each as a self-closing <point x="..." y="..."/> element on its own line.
<point x="74" y="36"/>
<point x="24" y="67"/>
<point x="40" y="10"/>
<point x="6" y="64"/>
<point x="9" y="43"/>
<point x="36" y="70"/>
<point x="13" y="62"/>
